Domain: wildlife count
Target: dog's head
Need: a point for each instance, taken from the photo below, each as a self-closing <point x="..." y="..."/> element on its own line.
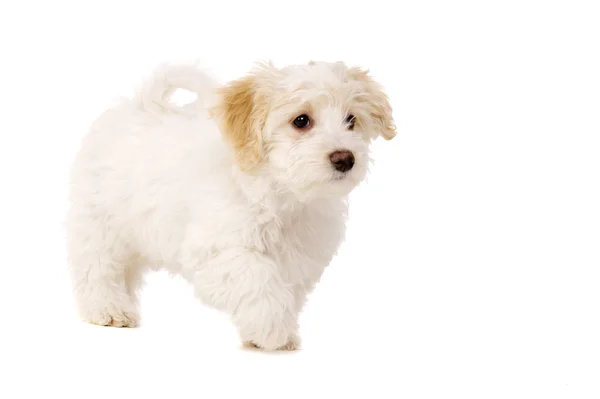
<point x="309" y="126"/>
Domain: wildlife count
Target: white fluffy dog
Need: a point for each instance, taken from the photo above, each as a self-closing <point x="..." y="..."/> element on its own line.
<point x="243" y="192"/>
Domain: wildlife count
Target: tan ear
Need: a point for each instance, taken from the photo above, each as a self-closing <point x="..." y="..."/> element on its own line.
<point x="241" y="114"/>
<point x="376" y="101"/>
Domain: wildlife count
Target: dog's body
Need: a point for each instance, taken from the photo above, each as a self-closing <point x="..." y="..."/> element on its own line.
<point x="251" y="221"/>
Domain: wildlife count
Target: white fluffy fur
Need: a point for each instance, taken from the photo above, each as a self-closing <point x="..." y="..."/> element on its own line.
<point x="156" y="186"/>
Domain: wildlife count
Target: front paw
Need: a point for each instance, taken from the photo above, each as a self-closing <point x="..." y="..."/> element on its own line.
<point x="292" y="345"/>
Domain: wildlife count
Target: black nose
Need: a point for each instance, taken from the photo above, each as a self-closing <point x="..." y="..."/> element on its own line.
<point x="342" y="160"/>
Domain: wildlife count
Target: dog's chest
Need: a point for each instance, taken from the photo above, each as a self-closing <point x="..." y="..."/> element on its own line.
<point x="303" y="241"/>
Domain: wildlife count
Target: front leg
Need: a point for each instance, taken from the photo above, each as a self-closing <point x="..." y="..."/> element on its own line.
<point x="247" y="285"/>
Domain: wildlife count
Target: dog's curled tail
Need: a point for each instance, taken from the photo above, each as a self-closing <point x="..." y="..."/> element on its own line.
<point x="155" y="94"/>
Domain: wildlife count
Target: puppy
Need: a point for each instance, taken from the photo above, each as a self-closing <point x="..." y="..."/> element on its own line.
<point x="243" y="192"/>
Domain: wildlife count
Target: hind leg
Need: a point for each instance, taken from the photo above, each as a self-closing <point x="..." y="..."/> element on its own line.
<point x="104" y="276"/>
<point x="102" y="293"/>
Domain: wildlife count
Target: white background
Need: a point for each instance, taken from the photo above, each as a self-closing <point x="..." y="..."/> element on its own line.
<point x="470" y="268"/>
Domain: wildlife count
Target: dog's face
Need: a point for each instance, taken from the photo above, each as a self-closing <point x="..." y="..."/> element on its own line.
<point x="309" y="127"/>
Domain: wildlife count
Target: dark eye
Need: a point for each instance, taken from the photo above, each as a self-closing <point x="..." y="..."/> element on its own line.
<point x="302" y="122"/>
<point x="350" y="119"/>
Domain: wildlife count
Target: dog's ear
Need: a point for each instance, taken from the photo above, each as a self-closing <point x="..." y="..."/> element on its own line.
<point x="241" y="113"/>
<point x="378" y="119"/>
